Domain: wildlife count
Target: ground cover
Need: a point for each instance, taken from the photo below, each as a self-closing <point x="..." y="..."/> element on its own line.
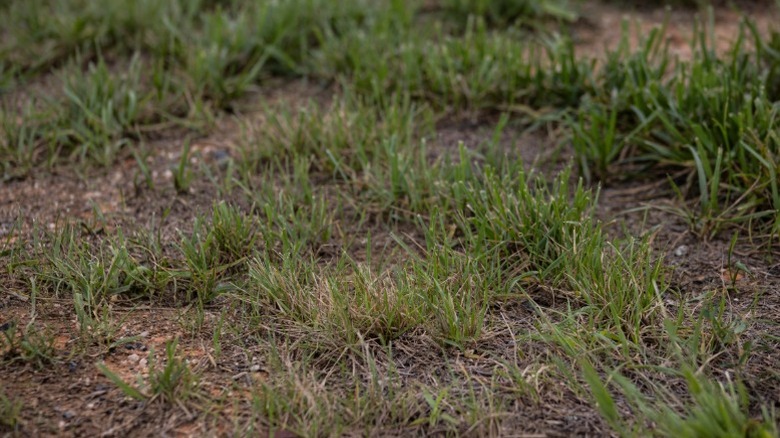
<point x="460" y="217"/>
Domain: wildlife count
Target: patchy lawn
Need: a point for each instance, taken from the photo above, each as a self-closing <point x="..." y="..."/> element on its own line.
<point x="379" y="217"/>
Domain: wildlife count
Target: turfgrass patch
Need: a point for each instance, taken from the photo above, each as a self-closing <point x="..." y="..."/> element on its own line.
<point x="187" y="244"/>
<point x="713" y="117"/>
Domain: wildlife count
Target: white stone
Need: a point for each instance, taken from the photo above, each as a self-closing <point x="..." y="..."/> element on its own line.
<point x="681" y="251"/>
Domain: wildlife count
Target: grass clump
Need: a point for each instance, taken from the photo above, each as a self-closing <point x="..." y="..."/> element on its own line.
<point x="294" y="219"/>
<point x="710" y="116"/>
<point x="376" y="152"/>
<point x="532" y="224"/>
<point x="545" y="235"/>
<point x="343" y="138"/>
<point x="347" y="302"/>
<point x="99" y="115"/>
<point x="30" y="344"/>
<point x="234" y="50"/>
<point x="488" y="238"/>
<point x="46" y="33"/>
<point x="233" y="231"/>
<point x="196" y="56"/>
<point x="173" y="383"/>
<point x="95" y="274"/>
<point x="91" y="275"/>
<point x="300" y="400"/>
<point x="456" y="291"/>
<point x="716" y="410"/>
<point x="20" y="141"/>
<point x="479" y="70"/>
<point x="100" y="111"/>
<point x="10" y="411"/>
<point x="502" y="13"/>
<point x="713" y="409"/>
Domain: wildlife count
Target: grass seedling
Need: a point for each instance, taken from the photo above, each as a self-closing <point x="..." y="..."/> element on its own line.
<point x="10" y="411"/>
<point x="144" y="171"/>
<point x="182" y="173"/>
<point x="174" y="382"/>
<point x="31" y="344"/>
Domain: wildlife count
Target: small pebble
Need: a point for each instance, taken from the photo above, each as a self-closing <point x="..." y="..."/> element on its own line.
<point x="135" y="346"/>
<point x="681" y="251"/>
<point x="220" y="156"/>
<point x="133" y="358"/>
<point x="144" y="335"/>
<point x="254" y="368"/>
<point x="143" y="362"/>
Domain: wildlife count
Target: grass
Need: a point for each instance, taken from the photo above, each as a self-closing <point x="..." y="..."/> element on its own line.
<point x="9" y="411"/>
<point x="100" y="113"/>
<point x="173" y="382"/>
<point x="715" y="408"/>
<point x="31" y="344"/>
<point x="712" y="116"/>
<point x="351" y="262"/>
<point x="477" y="70"/>
<point x="506" y="12"/>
